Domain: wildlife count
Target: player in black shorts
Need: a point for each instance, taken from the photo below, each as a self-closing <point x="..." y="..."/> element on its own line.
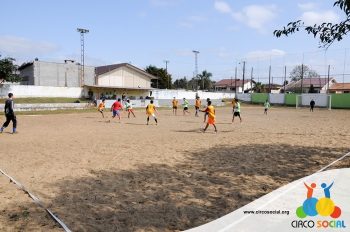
<point x="10" y="114"/>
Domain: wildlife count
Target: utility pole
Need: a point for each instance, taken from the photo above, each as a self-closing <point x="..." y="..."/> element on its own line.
<point x="166" y="70"/>
<point x="82" y="55"/>
<point x="270" y="79"/>
<point x="236" y="78"/>
<point x="243" y="76"/>
<point x="285" y="79"/>
<point x="196" y="65"/>
<point x="251" y="80"/>
<point x="302" y="77"/>
<point x="329" y="70"/>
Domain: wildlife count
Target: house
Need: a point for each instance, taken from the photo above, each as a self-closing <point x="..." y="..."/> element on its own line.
<point x="315" y="85"/>
<point x="271" y="88"/>
<point x="67" y="74"/>
<point x="340" y="88"/>
<point x="103" y="81"/>
<point x="116" y="79"/>
<point x="234" y="85"/>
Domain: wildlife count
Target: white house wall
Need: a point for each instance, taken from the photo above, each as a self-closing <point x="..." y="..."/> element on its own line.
<point x="124" y="77"/>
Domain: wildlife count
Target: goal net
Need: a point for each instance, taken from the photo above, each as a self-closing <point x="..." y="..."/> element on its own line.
<point x="321" y="100"/>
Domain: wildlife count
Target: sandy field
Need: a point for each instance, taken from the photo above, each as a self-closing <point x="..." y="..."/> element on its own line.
<point x="100" y="176"/>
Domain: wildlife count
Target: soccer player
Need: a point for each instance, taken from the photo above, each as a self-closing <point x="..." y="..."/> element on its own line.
<point x="312" y="105"/>
<point x="10" y="114"/>
<point x="185" y="105"/>
<point x="236" y="110"/>
<point x="128" y="107"/>
<point x="150" y="111"/>
<point x="175" y="103"/>
<point x="211" y="116"/>
<point x="266" y="106"/>
<point x="206" y="113"/>
<point x="101" y="107"/>
<point x="197" y="106"/>
<point x="116" y="108"/>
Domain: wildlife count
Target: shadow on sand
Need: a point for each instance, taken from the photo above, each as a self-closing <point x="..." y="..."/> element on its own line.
<point x="208" y="185"/>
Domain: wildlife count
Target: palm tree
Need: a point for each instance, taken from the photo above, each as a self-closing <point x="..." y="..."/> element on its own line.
<point x="206" y="82"/>
<point x="258" y="88"/>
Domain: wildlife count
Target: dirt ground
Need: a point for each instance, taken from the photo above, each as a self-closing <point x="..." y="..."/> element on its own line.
<point x="100" y="176"/>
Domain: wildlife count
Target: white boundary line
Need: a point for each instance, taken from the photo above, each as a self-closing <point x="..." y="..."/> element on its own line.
<point x="281" y="194"/>
<point x="36" y="201"/>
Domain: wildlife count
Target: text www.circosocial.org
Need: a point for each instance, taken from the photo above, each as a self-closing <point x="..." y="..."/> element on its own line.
<point x="269" y="212"/>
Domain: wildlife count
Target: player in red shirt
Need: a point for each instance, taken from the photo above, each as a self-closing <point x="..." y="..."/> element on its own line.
<point x="116" y="108"/>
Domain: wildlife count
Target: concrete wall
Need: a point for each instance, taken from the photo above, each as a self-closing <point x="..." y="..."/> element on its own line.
<point x="47" y="106"/>
<point x="276" y="98"/>
<point x="41" y="91"/>
<point x="180" y="94"/>
<point x="341" y="101"/>
<point x="134" y="103"/>
<point x="162" y="103"/>
<point x="57" y="74"/>
<point x="245" y="97"/>
<point x="321" y="100"/>
<point x="259" y="97"/>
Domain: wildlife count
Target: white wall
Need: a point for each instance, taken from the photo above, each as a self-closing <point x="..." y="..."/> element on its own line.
<point x="134" y="103"/>
<point x="124" y="77"/>
<point x="246" y="97"/>
<point x="180" y="94"/>
<point x="275" y="98"/>
<point x="40" y="91"/>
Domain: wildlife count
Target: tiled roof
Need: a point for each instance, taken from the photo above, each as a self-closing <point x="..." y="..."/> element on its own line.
<point x="307" y="82"/>
<point x="107" y="68"/>
<point x="231" y="82"/>
<point x="340" y="86"/>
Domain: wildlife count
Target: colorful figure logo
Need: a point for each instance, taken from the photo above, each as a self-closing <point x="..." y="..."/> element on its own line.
<point x="313" y="206"/>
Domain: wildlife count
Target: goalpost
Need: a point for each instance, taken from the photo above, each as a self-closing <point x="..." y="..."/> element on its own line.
<point x="329" y="101"/>
<point x="298" y="101"/>
<point x="321" y="100"/>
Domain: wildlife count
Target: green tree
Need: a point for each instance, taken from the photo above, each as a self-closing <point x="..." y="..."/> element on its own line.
<point x="204" y="80"/>
<point x="302" y="70"/>
<point x="181" y="83"/>
<point x="164" y="78"/>
<point x="8" y="70"/>
<point x="258" y="87"/>
<point x="326" y="32"/>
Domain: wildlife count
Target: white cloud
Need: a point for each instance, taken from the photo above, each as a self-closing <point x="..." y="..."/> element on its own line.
<point x="191" y="21"/>
<point x="254" y="16"/>
<point x="313" y="17"/>
<point x="222" y="7"/>
<point x="21" y="47"/>
<point x="162" y="3"/>
<point x="307" y="6"/>
<point x="265" y="54"/>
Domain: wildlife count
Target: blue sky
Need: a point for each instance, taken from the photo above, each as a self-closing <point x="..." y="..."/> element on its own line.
<point x="145" y="32"/>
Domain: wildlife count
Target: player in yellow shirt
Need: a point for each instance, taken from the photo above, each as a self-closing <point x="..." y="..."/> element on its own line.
<point x="211" y="116"/>
<point x="175" y="103"/>
<point x="197" y="105"/>
<point x="101" y="107"/>
<point x="150" y="111"/>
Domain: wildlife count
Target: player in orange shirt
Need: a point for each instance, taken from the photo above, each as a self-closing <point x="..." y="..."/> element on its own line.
<point x="175" y="103"/>
<point x="197" y="106"/>
<point x="101" y="107"/>
<point x="211" y="116"/>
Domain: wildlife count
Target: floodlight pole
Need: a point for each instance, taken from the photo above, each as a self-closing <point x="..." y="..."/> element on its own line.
<point x="196" y="66"/>
<point x="166" y="69"/>
<point x="82" y="55"/>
